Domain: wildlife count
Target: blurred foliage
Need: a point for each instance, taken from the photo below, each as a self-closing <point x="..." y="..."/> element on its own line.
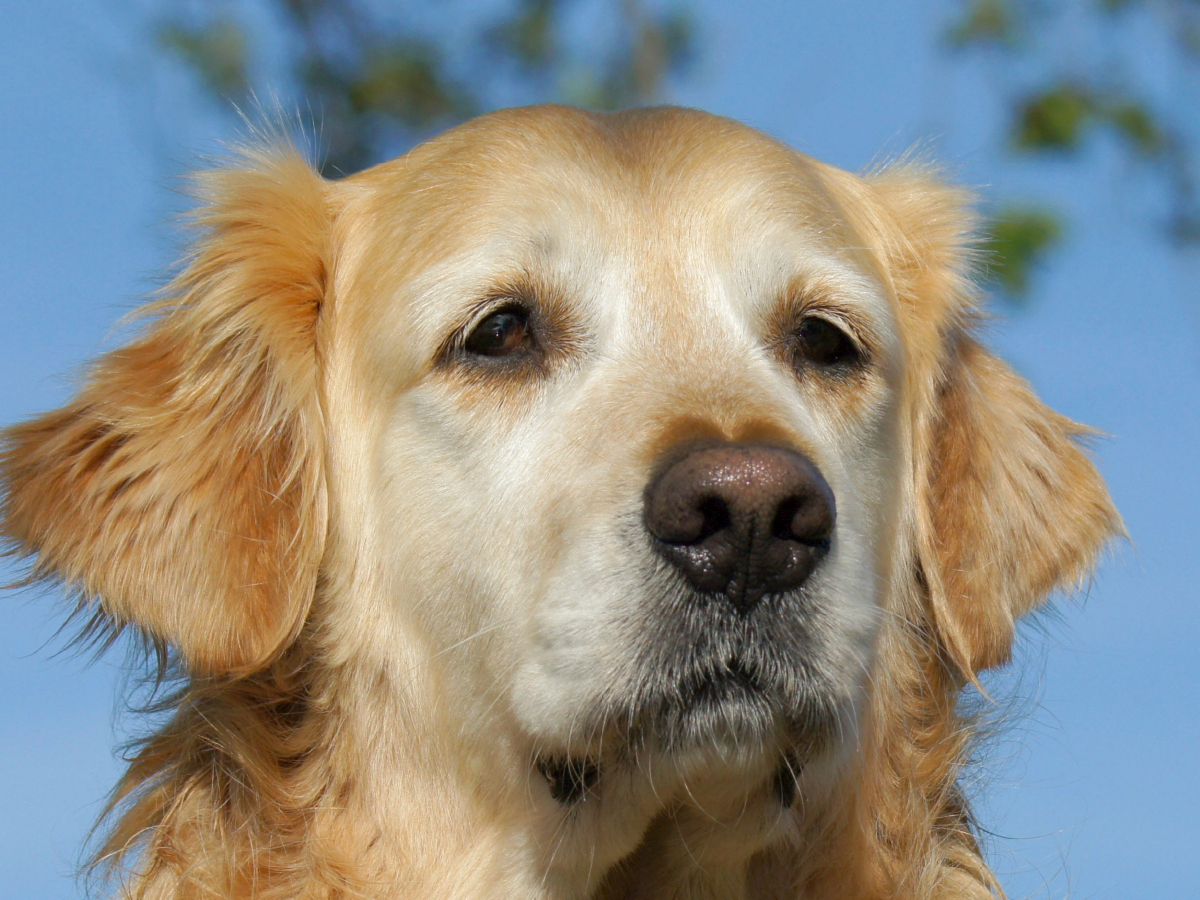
<point x="1018" y="239"/>
<point x="986" y="22"/>
<point x="379" y="76"/>
<point x="1058" y="118"/>
<point x="217" y="52"/>
<point x="1053" y="119"/>
<point x="1061" y="103"/>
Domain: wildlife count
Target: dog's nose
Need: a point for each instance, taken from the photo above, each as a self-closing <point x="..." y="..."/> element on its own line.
<point x="742" y="520"/>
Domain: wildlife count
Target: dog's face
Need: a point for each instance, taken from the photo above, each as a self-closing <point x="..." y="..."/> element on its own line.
<point x="633" y="446"/>
<point x="633" y="458"/>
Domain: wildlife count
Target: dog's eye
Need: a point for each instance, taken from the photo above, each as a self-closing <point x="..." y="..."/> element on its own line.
<point x="821" y="342"/>
<point x="501" y="334"/>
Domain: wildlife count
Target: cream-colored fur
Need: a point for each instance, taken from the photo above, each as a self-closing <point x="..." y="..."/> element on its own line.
<point x="397" y="578"/>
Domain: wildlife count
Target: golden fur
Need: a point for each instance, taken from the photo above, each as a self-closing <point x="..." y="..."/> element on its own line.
<point x="342" y="729"/>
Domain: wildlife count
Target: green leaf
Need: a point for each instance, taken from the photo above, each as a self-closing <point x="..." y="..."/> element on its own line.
<point x="679" y="39"/>
<point x="1138" y="126"/>
<point x="529" y="35"/>
<point x="404" y="81"/>
<point x="1054" y="119"/>
<point x="1016" y="240"/>
<point x="216" y="52"/>
<point x="995" y="22"/>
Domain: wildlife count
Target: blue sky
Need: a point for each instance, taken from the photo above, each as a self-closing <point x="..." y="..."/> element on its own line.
<point x="1091" y="789"/>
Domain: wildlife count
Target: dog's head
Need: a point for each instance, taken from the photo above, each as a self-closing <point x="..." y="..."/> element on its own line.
<point x="632" y="428"/>
<point x="629" y="437"/>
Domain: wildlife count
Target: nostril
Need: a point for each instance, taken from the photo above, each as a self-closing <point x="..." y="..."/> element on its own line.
<point x="716" y="518"/>
<point x="807" y="519"/>
<point x="782" y="528"/>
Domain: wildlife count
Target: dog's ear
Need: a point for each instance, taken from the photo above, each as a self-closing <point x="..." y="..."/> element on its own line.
<point x="182" y="488"/>
<point x="1013" y="507"/>
<point x="1008" y="505"/>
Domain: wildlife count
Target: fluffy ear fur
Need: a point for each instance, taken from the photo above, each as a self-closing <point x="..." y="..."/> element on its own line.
<point x="182" y="488"/>
<point x="1008" y="505"/>
<point x="1014" y="507"/>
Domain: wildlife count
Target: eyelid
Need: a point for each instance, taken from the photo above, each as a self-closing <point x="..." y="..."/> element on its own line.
<point x="848" y="324"/>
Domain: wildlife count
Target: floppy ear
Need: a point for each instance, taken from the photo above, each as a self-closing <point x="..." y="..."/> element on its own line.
<point x="182" y="487"/>
<point x="1014" y="506"/>
<point x="1009" y="507"/>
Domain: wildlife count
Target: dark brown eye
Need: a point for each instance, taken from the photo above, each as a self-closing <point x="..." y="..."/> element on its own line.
<point x="821" y="342"/>
<point x="502" y="333"/>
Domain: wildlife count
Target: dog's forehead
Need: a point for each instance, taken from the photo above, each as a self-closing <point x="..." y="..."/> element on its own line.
<point x="672" y="195"/>
<point x="526" y="170"/>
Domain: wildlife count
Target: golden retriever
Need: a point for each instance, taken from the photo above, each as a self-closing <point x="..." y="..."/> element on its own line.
<point x="580" y="506"/>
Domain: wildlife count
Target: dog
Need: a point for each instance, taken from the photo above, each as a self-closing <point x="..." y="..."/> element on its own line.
<point x="580" y="507"/>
